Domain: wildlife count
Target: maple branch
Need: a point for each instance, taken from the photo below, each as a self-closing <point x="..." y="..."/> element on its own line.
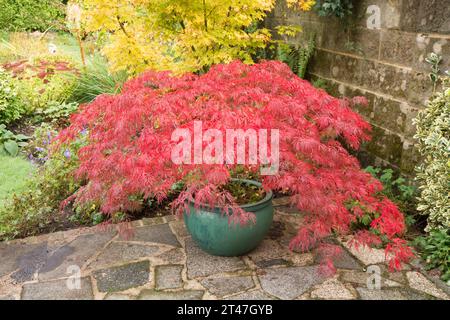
<point x="205" y="15"/>
<point x="122" y="27"/>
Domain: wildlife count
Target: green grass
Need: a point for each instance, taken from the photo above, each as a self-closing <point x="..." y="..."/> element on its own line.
<point x="14" y="173"/>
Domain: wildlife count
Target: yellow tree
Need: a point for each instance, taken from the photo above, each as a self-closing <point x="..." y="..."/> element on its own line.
<point x="179" y="35"/>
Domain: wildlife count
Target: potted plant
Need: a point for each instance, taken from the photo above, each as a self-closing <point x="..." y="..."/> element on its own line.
<point x="212" y="231"/>
<point x="163" y="129"/>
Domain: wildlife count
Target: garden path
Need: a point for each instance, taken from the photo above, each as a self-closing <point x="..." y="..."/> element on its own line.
<point x="159" y="260"/>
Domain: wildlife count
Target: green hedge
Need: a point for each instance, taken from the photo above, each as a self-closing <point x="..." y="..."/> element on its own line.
<point x="30" y="15"/>
<point x="11" y="106"/>
<point x="433" y="134"/>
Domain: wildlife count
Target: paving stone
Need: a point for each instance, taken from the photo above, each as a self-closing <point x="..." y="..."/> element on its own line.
<point x="168" y="277"/>
<point x="419" y="282"/>
<point x="57" y="290"/>
<point x="29" y="263"/>
<point x="389" y="294"/>
<point x="12" y="254"/>
<point x="225" y="286"/>
<point x="414" y="295"/>
<point x="444" y="286"/>
<point x="123" y="277"/>
<point x="346" y="261"/>
<point x="368" y="256"/>
<point x="290" y="283"/>
<point x="174" y="256"/>
<point x="179" y="227"/>
<point x="170" y="217"/>
<point x="148" y="294"/>
<point x="396" y="276"/>
<point x="118" y="296"/>
<point x="77" y="253"/>
<point x="202" y="264"/>
<point x="268" y="250"/>
<point x="251" y="295"/>
<point x="159" y="233"/>
<point x="332" y="289"/>
<point x="152" y="221"/>
<point x="272" y="263"/>
<point x="122" y="252"/>
<point x="286" y="209"/>
<point x="378" y="294"/>
<point x="342" y="261"/>
<point x="362" y="277"/>
<point x="300" y="259"/>
<point x="390" y="283"/>
<point x="277" y="229"/>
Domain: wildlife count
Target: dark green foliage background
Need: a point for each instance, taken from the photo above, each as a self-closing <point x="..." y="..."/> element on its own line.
<point x="31" y="15"/>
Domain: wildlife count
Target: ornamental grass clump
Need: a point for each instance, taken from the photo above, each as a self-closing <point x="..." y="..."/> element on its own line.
<point x="128" y="158"/>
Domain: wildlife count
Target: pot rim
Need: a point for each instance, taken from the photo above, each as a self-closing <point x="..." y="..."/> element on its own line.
<point x="268" y="197"/>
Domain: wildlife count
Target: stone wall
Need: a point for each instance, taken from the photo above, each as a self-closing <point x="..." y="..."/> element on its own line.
<point x="384" y="62"/>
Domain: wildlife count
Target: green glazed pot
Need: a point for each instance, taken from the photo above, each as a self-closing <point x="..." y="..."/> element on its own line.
<point x="211" y="230"/>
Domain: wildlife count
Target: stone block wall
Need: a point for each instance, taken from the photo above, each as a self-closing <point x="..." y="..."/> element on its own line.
<point x="384" y="62"/>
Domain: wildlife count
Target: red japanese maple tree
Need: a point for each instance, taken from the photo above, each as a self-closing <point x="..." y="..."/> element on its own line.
<point x="129" y="152"/>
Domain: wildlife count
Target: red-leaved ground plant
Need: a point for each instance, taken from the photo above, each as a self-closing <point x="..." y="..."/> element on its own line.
<point x="128" y="157"/>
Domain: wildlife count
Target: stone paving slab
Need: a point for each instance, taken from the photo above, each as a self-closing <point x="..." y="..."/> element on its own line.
<point x="224" y="286"/>
<point x="290" y="283"/>
<point x="118" y="296"/>
<point x="30" y="263"/>
<point x="333" y="289"/>
<point x="159" y="233"/>
<point x="171" y="295"/>
<point x="390" y="294"/>
<point x="122" y="277"/>
<point x="168" y="277"/>
<point x="76" y="253"/>
<point x="251" y="295"/>
<point x="343" y="261"/>
<point x="58" y="290"/>
<point x="160" y="261"/>
<point x="202" y="264"/>
<point x="121" y="252"/>
<point x="13" y="254"/>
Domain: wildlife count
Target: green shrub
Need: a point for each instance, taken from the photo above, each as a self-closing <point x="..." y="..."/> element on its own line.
<point x="27" y="212"/>
<point x="31" y="15"/>
<point x="37" y="94"/>
<point x="398" y="190"/>
<point x="43" y="80"/>
<point x="56" y="112"/>
<point x="433" y="174"/>
<point x="337" y="8"/>
<point x="11" y="143"/>
<point x="435" y="250"/>
<point x="11" y="107"/>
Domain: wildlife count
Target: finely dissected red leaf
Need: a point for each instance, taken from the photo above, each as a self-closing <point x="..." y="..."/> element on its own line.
<point x="129" y="150"/>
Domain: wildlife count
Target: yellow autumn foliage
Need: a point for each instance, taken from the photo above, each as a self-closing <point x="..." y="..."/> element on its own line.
<point x="178" y="35"/>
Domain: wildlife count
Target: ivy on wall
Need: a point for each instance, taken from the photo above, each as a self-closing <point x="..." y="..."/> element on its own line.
<point x="337" y="8"/>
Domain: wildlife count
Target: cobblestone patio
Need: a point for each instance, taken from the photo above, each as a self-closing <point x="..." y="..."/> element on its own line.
<point x="160" y="261"/>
